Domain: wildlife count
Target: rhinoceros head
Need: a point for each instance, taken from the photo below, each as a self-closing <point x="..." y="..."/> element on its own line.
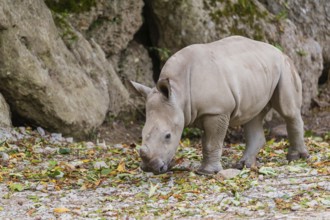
<point x="163" y="128"/>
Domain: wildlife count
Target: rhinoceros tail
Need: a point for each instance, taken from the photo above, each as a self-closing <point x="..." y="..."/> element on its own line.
<point x="294" y="74"/>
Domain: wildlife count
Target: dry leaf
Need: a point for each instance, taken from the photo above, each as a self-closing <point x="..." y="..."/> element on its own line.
<point x="61" y="210"/>
<point x="121" y="166"/>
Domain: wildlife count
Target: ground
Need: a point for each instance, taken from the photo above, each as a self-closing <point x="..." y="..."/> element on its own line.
<point x="46" y="176"/>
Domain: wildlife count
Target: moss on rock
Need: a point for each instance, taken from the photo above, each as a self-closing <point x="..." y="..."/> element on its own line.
<point x="244" y="15"/>
<point x="66" y="31"/>
<point x="70" y="6"/>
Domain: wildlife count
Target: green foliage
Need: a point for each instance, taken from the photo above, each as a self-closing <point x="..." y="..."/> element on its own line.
<point x="16" y="187"/>
<point x="191" y="133"/>
<point x="301" y="52"/>
<point x="66" y="31"/>
<point x="308" y="133"/>
<point x="278" y="46"/>
<point x="281" y="15"/>
<point x="163" y="53"/>
<point x="70" y="6"/>
<point x="64" y="150"/>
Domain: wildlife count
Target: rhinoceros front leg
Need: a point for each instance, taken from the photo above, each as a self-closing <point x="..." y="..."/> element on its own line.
<point x="215" y="128"/>
<point x="255" y="140"/>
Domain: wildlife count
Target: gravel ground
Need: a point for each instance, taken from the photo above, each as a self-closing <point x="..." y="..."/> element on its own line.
<point x="47" y="176"/>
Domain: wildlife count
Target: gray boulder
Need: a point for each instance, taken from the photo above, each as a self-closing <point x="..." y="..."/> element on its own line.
<point x="112" y="24"/>
<point x="62" y="86"/>
<point x="5" y="120"/>
<point x="135" y="64"/>
<point x="311" y="17"/>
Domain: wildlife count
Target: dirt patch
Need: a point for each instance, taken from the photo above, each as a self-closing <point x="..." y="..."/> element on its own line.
<point x="117" y="131"/>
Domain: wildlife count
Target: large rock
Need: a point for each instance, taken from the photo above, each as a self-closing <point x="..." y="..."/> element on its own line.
<point x="307" y="56"/>
<point x="135" y="64"/>
<point x="311" y="17"/>
<point x="112" y="24"/>
<point x="5" y="120"/>
<point x="179" y="24"/>
<point x="60" y="86"/>
<point x="176" y="24"/>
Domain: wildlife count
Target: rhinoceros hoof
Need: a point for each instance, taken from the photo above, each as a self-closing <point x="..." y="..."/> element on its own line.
<point x="208" y="170"/>
<point x="246" y="162"/>
<point x="296" y="155"/>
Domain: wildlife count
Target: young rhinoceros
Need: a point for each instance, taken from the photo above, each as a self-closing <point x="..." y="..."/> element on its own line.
<point x="230" y="82"/>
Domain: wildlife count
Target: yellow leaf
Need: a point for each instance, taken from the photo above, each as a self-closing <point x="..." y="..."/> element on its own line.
<point x="83" y="187"/>
<point x="61" y="210"/>
<point x="152" y="189"/>
<point x="121" y="166"/>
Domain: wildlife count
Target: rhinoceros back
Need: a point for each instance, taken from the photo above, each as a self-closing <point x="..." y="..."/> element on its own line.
<point x="234" y="76"/>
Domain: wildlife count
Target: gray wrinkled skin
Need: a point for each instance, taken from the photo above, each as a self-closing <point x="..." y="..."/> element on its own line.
<point x="230" y="82"/>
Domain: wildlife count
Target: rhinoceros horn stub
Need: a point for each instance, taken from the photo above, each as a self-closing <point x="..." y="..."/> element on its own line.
<point x="164" y="87"/>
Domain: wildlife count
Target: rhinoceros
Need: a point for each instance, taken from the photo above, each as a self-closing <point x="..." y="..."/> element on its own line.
<point x="230" y="82"/>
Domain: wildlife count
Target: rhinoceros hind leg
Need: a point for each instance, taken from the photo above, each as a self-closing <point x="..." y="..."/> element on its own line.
<point x="295" y="128"/>
<point x="215" y="128"/>
<point x="255" y="140"/>
<point x="287" y="101"/>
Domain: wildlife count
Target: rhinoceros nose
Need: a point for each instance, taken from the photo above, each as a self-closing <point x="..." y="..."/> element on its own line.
<point x="163" y="168"/>
<point x="144" y="153"/>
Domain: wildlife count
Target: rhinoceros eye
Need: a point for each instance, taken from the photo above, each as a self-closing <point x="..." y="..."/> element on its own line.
<point x="168" y="136"/>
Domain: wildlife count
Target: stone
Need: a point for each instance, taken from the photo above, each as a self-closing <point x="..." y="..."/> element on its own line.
<point x="306" y="54"/>
<point x="112" y="24"/>
<point x="100" y="164"/>
<point x="58" y="82"/>
<point x="179" y="24"/>
<point x="311" y="17"/>
<point x="4" y="157"/>
<point x="135" y="64"/>
<point x="5" y="120"/>
<point x="229" y="173"/>
<point x="41" y="131"/>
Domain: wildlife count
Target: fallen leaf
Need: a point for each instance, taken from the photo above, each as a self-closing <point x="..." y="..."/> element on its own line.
<point x="294" y="169"/>
<point x="152" y="189"/>
<point x="31" y="211"/>
<point x="105" y="171"/>
<point x="16" y="187"/>
<point x="64" y="150"/>
<point x="121" y="166"/>
<point x="61" y="210"/>
<point x="268" y="171"/>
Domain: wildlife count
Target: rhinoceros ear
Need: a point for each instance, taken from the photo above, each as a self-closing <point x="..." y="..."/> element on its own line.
<point x="138" y="88"/>
<point x="164" y="87"/>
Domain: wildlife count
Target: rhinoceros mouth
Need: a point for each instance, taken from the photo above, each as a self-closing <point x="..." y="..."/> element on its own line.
<point x="157" y="166"/>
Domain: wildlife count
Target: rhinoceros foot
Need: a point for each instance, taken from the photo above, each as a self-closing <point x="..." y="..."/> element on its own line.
<point x="295" y="155"/>
<point x="209" y="169"/>
<point x="247" y="162"/>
